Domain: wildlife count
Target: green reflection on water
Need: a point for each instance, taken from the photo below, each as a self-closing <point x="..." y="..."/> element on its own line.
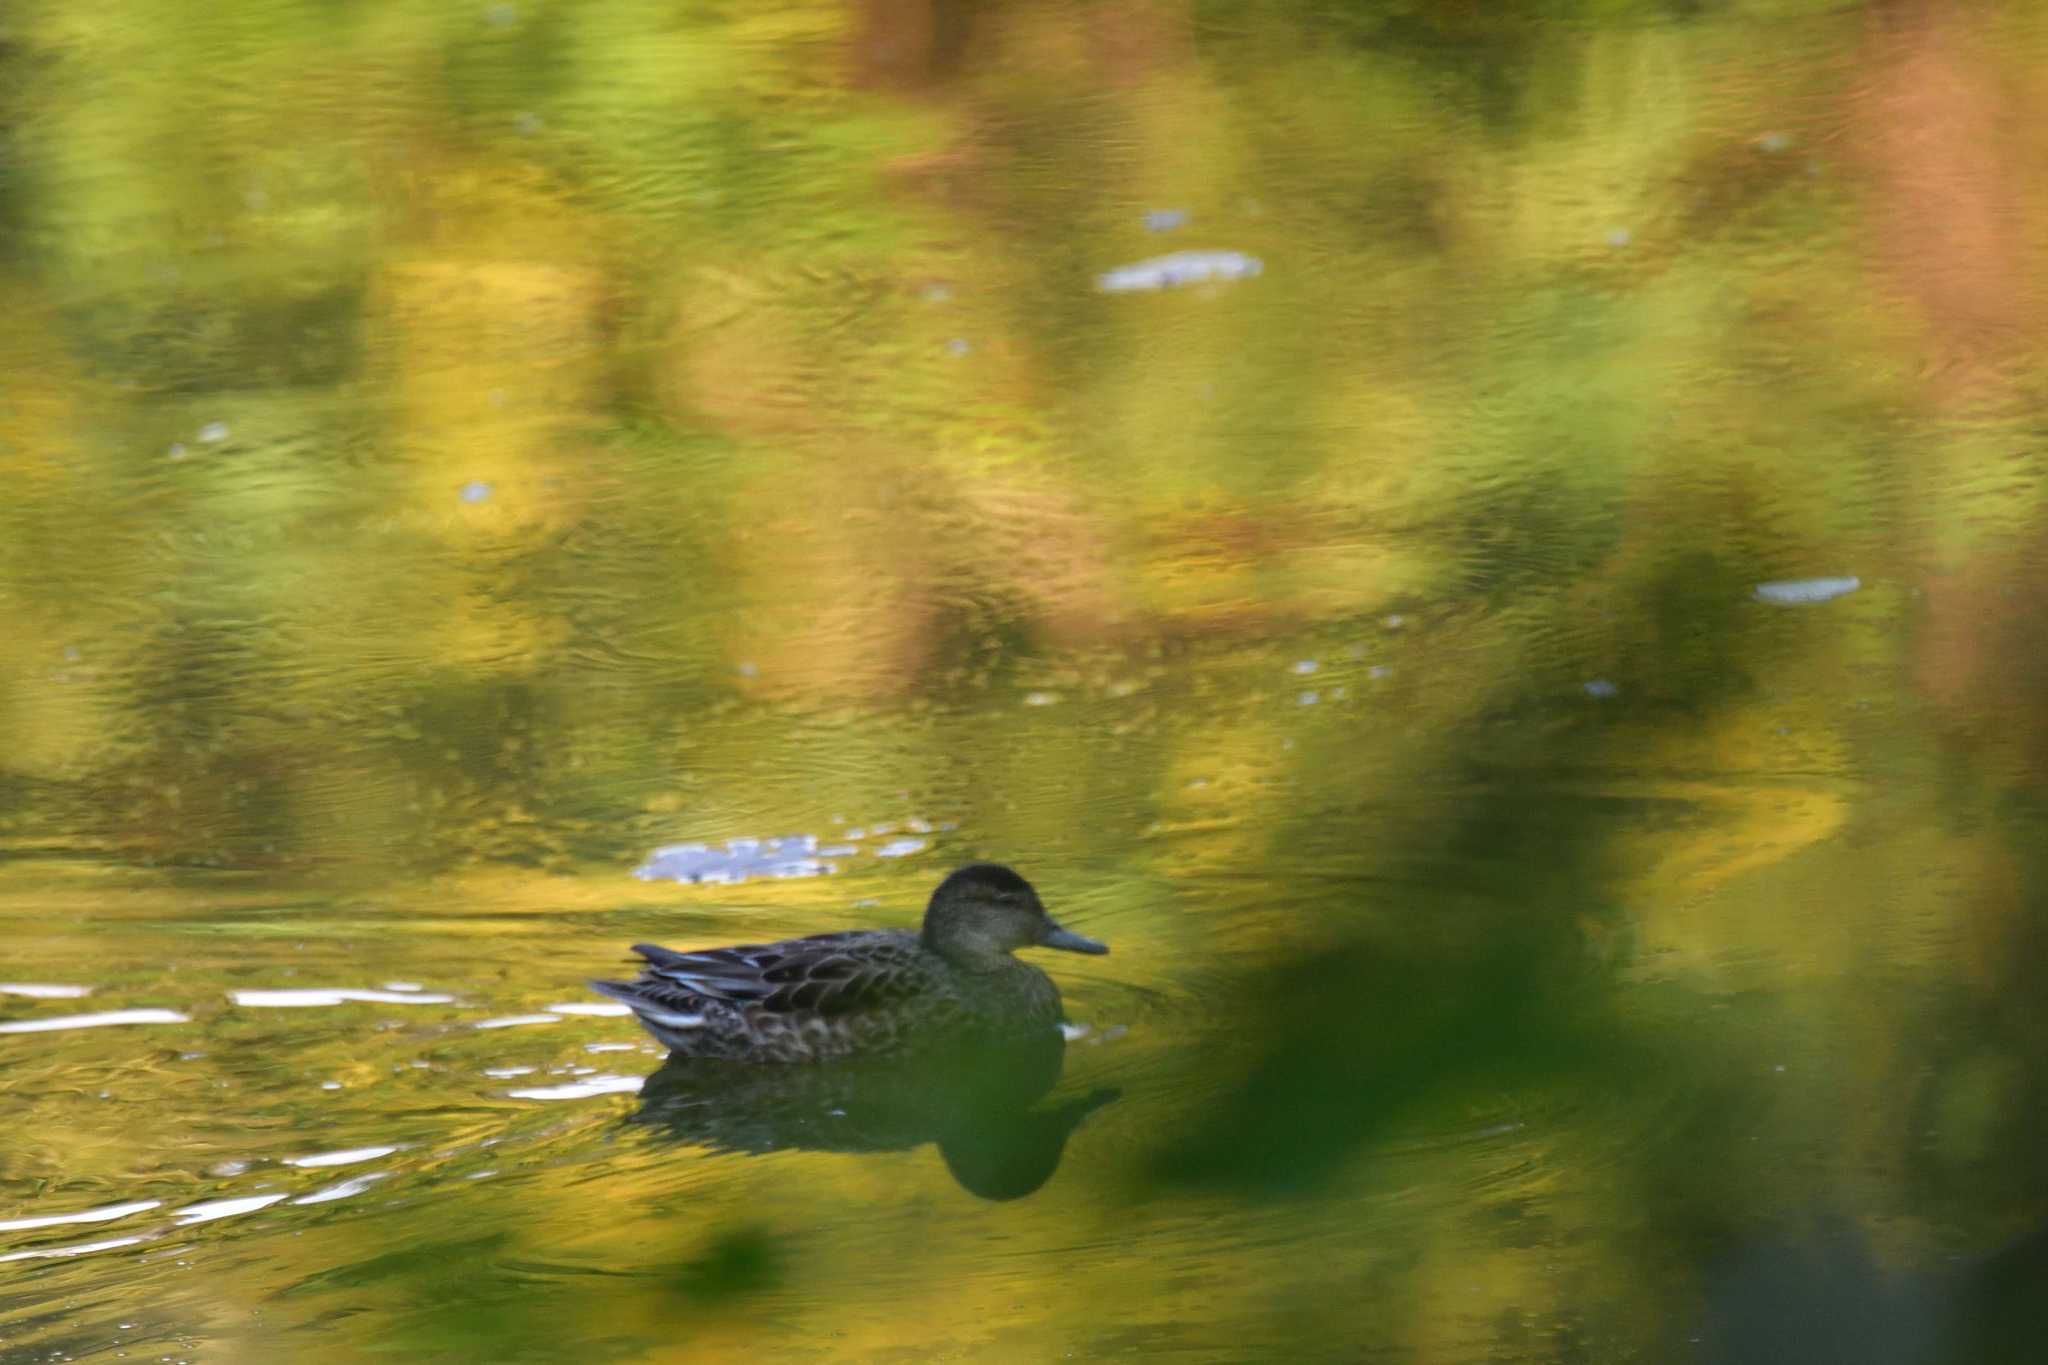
<point x="449" y="455"/>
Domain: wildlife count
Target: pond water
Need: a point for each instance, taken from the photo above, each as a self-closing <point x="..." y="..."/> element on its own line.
<point x="1499" y="562"/>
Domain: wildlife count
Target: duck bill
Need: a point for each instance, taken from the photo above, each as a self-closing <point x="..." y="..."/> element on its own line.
<point x="1072" y="942"/>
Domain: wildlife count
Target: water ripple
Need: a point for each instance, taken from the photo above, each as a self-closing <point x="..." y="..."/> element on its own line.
<point x="305" y="999"/>
<point x="348" y="1157"/>
<point x="72" y="1021"/>
<point x="213" y="1209"/>
<point x="36" y="991"/>
<point x="583" y="1089"/>
<point x="76" y="1249"/>
<point x="1178" y="268"/>
<point x="106" y="1213"/>
<point x="344" y="1189"/>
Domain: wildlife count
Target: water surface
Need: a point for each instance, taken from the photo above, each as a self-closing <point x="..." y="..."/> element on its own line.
<point x="1497" y="561"/>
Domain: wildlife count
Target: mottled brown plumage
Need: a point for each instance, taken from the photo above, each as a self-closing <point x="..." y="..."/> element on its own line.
<point x="865" y="990"/>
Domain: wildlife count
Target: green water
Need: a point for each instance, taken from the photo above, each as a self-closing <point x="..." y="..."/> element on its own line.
<point x="452" y="452"/>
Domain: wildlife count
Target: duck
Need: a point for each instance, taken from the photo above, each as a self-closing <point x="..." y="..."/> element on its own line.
<point x="862" y="992"/>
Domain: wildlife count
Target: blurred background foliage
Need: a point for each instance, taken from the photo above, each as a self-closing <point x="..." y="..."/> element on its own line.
<point x="450" y="450"/>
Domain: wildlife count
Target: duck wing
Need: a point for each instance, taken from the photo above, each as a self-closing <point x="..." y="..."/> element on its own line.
<point x="827" y="974"/>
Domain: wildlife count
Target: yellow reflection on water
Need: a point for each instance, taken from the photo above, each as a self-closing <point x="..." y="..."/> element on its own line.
<point x="450" y="455"/>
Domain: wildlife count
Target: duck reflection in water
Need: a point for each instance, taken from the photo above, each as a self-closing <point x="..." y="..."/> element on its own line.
<point x="974" y="1098"/>
<point x="940" y="1035"/>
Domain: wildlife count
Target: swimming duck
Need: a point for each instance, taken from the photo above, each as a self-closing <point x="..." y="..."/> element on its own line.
<point x="864" y="990"/>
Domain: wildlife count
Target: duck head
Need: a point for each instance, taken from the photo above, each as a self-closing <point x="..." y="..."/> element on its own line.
<point x="983" y="912"/>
